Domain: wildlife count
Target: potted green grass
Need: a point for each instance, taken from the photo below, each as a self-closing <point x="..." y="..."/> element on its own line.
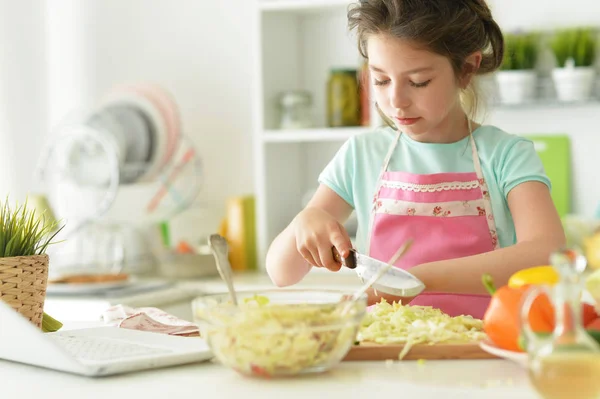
<point x="517" y="77"/>
<point x="24" y="239"/>
<point x="575" y="53"/>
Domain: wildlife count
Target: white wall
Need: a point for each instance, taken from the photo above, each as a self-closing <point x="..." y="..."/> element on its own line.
<point x="202" y="51"/>
<point x="76" y="50"/>
<point x="23" y="111"/>
<point x="543" y="14"/>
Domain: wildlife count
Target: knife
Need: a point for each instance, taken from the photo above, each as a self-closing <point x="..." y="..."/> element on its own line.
<point x="396" y="281"/>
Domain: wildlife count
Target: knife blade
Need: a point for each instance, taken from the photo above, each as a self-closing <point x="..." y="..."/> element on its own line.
<point x="395" y="281"/>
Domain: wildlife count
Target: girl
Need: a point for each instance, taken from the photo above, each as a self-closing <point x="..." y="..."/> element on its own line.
<point x="474" y="199"/>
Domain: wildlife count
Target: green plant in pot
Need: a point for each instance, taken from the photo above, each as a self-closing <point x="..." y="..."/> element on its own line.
<point x="24" y="239"/>
<point x="575" y="53"/>
<point x="517" y="77"/>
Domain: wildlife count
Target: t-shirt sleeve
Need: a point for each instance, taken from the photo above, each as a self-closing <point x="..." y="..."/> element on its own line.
<point x="338" y="175"/>
<point x="520" y="164"/>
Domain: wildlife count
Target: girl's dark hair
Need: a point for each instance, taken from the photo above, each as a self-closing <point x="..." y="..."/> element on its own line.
<point x="452" y="28"/>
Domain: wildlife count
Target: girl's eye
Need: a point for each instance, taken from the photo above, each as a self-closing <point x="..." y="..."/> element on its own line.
<point x="380" y="82"/>
<point x="420" y="84"/>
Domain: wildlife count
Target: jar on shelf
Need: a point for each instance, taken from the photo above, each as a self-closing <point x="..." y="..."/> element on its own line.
<point x="343" y="98"/>
<point x="295" y="110"/>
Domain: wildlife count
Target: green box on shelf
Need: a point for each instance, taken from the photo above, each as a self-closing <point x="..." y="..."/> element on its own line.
<point x="555" y="153"/>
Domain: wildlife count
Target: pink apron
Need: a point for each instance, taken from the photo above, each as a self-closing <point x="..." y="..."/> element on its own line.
<point x="449" y="215"/>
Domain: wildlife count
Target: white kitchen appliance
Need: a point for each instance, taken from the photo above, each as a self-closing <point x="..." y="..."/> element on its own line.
<point x="112" y="174"/>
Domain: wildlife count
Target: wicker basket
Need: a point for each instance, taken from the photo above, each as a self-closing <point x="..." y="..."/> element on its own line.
<point x="23" y="281"/>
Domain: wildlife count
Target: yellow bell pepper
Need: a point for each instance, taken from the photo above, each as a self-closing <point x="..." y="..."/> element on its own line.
<point x="591" y="246"/>
<point x="534" y="275"/>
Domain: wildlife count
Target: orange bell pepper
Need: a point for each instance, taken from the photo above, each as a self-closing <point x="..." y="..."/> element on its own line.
<point x="501" y="319"/>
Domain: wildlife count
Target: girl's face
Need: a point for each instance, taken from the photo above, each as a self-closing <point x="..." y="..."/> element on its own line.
<point x="417" y="89"/>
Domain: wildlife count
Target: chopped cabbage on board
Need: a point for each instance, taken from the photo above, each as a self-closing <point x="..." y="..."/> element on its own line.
<point x="410" y="325"/>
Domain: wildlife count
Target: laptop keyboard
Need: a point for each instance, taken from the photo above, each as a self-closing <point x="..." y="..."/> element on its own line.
<point x="103" y="349"/>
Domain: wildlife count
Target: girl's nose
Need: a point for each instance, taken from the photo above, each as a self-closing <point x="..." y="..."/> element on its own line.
<point x="399" y="97"/>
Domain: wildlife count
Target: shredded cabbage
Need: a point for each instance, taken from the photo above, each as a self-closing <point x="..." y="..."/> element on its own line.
<point x="274" y="339"/>
<point x="410" y="325"/>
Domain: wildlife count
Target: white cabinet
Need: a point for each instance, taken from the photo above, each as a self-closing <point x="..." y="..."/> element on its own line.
<point x="299" y="42"/>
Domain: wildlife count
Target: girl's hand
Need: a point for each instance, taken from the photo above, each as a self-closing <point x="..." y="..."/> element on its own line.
<point x="316" y="232"/>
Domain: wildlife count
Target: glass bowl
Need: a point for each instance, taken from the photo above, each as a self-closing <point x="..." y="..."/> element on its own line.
<point x="279" y="332"/>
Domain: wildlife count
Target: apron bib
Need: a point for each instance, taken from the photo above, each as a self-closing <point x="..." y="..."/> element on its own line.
<point x="449" y="215"/>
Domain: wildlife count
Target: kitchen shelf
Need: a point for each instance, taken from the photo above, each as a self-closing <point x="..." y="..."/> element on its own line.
<point x="297" y="44"/>
<point x="301" y="5"/>
<point x="312" y="135"/>
<point x="546" y="103"/>
<point x="545" y="96"/>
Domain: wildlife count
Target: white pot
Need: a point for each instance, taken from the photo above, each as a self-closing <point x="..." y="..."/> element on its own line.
<point x="517" y="86"/>
<point x="573" y="83"/>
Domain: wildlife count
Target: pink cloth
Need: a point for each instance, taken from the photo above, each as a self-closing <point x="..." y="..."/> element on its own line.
<point x="148" y="319"/>
<point x="448" y="215"/>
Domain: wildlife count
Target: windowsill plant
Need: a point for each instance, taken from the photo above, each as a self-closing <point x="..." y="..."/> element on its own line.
<point x="517" y="77"/>
<point x="24" y="239"/>
<point x="575" y="51"/>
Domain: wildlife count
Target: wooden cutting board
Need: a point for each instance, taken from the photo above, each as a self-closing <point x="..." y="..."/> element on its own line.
<point x="426" y="352"/>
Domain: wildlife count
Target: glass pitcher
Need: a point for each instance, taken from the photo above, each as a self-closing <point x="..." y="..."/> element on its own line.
<point x="566" y="363"/>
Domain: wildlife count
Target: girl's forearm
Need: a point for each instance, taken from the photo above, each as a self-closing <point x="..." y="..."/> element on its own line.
<point x="464" y="275"/>
<point x="284" y="263"/>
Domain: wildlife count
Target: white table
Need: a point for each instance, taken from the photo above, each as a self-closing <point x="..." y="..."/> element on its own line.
<point x="485" y="379"/>
<point x="465" y="379"/>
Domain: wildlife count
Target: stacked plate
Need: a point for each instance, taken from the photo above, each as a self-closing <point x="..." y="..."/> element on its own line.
<point x="144" y="123"/>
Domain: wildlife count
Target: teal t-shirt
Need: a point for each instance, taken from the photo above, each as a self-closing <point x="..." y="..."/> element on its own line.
<point x="506" y="160"/>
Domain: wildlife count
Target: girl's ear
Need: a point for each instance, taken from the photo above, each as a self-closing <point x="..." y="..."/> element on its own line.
<point x="470" y="68"/>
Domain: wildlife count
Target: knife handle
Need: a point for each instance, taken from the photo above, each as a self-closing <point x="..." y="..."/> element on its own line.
<point x="349" y="262"/>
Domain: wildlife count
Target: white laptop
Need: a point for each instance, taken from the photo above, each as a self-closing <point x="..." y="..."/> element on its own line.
<point x="97" y="351"/>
